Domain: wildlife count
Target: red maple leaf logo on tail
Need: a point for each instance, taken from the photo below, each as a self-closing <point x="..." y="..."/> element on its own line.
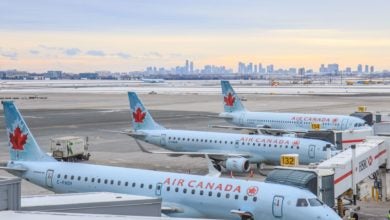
<point x="138" y="115"/>
<point x="18" y="139"/>
<point x="229" y="99"/>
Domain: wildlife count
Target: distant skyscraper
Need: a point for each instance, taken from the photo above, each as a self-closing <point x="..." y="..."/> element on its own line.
<point x="241" y="67"/>
<point x="366" y="68"/>
<point x="360" y="68"/>
<point x="348" y="70"/>
<point x="372" y="69"/>
<point x="333" y="68"/>
<point x="255" y="69"/>
<point x="270" y="68"/>
<point x="191" y="67"/>
<point x="187" y="67"/>
<point x="249" y="68"/>
<point x="323" y="69"/>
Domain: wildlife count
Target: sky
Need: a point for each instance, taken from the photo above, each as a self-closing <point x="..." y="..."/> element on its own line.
<point x="129" y="35"/>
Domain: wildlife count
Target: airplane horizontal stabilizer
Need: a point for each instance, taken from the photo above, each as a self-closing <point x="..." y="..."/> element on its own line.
<point x="17" y="169"/>
<point x="259" y="129"/>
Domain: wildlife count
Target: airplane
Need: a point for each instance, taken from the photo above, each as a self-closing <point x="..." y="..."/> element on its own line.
<point x="233" y="152"/>
<point x="183" y="195"/>
<point x="236" y="114"/>
<point x="145" y="80"/>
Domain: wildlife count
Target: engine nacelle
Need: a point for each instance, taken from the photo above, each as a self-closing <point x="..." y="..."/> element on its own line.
<point x="237" y="164"/>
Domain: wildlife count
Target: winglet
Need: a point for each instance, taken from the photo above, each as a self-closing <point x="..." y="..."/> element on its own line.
<point x="213" y="172"/>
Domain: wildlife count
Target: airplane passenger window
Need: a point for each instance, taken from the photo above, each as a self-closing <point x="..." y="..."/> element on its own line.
<point x="188" y="139"/>
<point x="225" y="142"/>
<point x="254" y="199"/>
<point x="105" y="181"/>
<point x="59" y="176"/>
<point x="86" y="179"/>
<point x="193" y="191"/>
<point x="158" y="187"/>
<point x="210" y="193"/>
<point x="220" y="142"/>
<point x="205" y="140"/>
<point x="236" y="197"/>
<point x="197" y="140"/>
<point x="218" y="194"/>
<point x="269" y="145"/>
<point x="315" y="202"/>
<point x="292" y="147"/>
<point x="98" y="180"/>
<point x="201" y="192"/>
<point x="168" y="188"/>
<point x="150" y="186"/>
<point x="174" y="138"/>
<point x="93" y="180"/>
<point x="193" y="139"/>
<point x="119" y="183"/>
<point x="126" y="183"/>
<point x="302" y="203"/>
<point x="79" y="178"/>
<point x="178" y="139"/>
<point x="112" y="182"/>
<point x="169" y="138"/>
<point x="245" y="198"/>
<point x="258" y="145"/>
<point x="142" y="185"/>
<point x="298" y="147"/>
<point x="242" y="143"/>
<point x="275" y="145"/>
<point x="184" y="190"/>
<point x="231" y="142"/>
<point x="227" y="195"/>
<point x="249" y="143"/>
<point x="72" y="177"/>
<point x="254" y="144"/>
<point x="215" y="141"/>
<point x="201" y="140"/>
<point x="176" y="189"/>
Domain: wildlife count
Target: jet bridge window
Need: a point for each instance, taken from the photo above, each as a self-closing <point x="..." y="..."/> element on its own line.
<point x="315" y="202"/>
<point x="302" y="203"/>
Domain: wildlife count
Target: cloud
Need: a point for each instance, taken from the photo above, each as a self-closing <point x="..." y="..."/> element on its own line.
<point x="123" y="55"/>
<point x="50" y="47"/>
<point x="98" y="53"/>
<point x="35" y="52"/>
<point x="72" y="51"/>
<point x="153" y="55"/>
<point x="9" y="54"/>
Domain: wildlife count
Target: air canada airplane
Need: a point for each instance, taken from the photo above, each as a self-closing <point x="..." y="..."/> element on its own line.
<point x="233" y="152"/>
<point x="235" y="113"/>
<point x="182" y="195"/>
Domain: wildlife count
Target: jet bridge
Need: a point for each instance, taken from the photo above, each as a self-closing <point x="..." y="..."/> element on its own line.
<point x="343" y="172"/>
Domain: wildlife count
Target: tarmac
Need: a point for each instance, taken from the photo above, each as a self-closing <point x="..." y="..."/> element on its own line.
<point x="52" y="112"/>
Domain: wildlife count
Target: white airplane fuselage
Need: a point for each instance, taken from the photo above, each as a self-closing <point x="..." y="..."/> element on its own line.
<point x="262" y="148"/>
<point x="293" y="121"/>
<point x="191" y="195"/>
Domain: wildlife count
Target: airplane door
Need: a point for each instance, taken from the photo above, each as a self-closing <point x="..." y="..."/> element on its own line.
<point x="236" y="144"/>
<point x="344" y="124"/>
<point x="277" y="206"/>
<point x="163" y="139"/>
<point x="312" y="151"/>
<point x="158" y="189"/>
<point x="49" y="178"/>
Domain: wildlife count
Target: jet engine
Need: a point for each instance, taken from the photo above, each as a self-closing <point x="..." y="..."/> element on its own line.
<point x="237" y="164"/>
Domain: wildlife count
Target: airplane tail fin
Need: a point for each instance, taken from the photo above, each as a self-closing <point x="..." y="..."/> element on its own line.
<point x="140" y="117"/>
<point x="231" y="101"/>
<point x="22" y="144"/>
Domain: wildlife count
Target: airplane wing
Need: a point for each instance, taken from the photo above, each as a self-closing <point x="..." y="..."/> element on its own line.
<point x="127" y="132"/>
<point x="260" y="129"/>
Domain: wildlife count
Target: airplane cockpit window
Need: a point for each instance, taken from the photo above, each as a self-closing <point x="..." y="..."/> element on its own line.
<point x="302" y="203"/>
<point x="315" y="202"/>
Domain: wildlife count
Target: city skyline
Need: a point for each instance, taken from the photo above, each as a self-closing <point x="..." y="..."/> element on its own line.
<point x="131" y="35"/>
